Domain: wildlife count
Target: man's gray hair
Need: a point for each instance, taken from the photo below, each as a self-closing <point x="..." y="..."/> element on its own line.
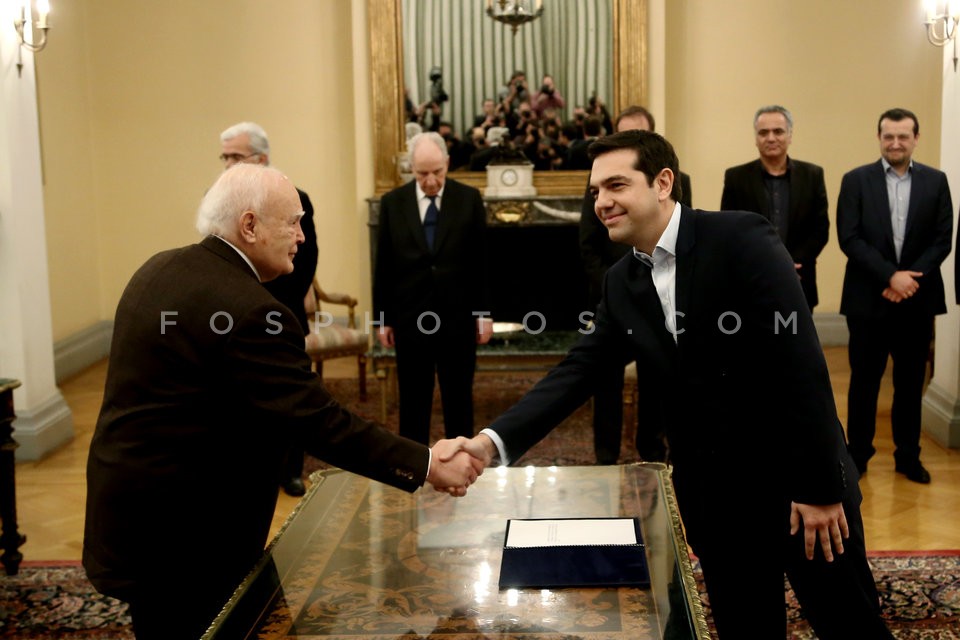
<point x="774" y="108"/>
<point x="427" y="136"/>
<point x="259" y="142"/>
<point x="242" y="187"/>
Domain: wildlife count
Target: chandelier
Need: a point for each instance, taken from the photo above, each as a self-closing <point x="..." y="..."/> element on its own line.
<point x="941" y="22"/>
<point x="514" y="12"/>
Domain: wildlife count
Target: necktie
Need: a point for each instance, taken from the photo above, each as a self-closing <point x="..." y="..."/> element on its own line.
<point x="430" y="221"/>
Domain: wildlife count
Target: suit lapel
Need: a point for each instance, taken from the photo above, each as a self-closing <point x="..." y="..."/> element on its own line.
<point x="448" y="205"/>
<point x="644" y="292"/>
<point x="879" y="184"/>
<point x="411" y="216"/>
<point x="916" y="189"/>
<point x="686" y="262"/>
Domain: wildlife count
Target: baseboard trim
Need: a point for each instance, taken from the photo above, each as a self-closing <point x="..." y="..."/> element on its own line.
<point x="832" y="329"/>
<point x="940" y="416"/>
<point x="42" y="429"/>
<point x="75" y="353"/>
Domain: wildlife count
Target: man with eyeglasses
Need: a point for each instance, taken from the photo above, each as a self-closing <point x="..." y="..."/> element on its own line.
<point x="247" y="142"/>
<point x="791" y="194"/>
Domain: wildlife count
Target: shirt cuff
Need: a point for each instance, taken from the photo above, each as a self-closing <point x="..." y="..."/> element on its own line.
<point x="429" y="464"/>
<point x="501" y="449"/>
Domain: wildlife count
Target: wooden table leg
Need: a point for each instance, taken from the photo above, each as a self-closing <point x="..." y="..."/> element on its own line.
<point x="11" y="539"/>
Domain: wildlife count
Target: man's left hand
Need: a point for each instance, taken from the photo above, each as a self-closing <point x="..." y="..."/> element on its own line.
<point x="826" y="522"/>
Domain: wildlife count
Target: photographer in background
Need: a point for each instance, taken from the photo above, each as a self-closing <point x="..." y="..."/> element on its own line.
<point x="515" y="93"/>
<point x="434" y="106"/>
<point x="548" y="97"/>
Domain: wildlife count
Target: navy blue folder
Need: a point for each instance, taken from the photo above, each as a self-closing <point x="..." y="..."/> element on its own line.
<point x="550" y="567"/>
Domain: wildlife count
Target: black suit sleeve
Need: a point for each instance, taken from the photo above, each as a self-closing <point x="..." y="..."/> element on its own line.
<point x="729" y="200"/>
<point x="942" y="231"/>
<point x="815" y="220"/>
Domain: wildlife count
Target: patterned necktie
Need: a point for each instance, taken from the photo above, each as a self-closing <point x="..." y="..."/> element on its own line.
<point x="430" y="221"/>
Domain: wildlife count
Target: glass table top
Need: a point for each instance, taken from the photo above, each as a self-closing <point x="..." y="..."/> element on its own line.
<point x="358" y="559"/>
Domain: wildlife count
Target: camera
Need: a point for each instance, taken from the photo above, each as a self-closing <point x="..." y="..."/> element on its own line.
<point x="437" y="95"/>
<point x="547" y="89"/>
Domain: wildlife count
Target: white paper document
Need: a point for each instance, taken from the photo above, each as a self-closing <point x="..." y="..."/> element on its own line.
<point x="570" y="532"/>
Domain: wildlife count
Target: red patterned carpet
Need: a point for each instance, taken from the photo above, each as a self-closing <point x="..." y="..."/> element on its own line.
<point x="47" y="601"/>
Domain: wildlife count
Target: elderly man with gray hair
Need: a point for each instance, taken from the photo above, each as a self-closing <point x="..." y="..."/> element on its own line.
<point x="208" y="374"/>
<point x="430" y="291"/>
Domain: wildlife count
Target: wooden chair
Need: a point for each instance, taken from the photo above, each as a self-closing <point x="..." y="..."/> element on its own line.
<point x="330" y="340"/>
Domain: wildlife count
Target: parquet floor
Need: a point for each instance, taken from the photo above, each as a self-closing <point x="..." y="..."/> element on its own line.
<point x="898" y="514"/>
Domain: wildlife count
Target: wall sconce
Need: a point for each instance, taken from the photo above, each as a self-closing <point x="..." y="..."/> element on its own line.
<point x="514" y="12"/>
<point x="25" y="22"/>
<point x="941" y="24"/>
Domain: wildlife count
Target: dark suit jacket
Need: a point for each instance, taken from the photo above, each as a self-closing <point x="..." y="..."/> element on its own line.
<point x="738" y="388"/>
<point x="808" y="226"/>
<point x="196" y="420"/>
<point x="597" y="251"/>
<point x="450" y="280"/>
<point x="291" y="288"/>
<point x="865" y="232"/>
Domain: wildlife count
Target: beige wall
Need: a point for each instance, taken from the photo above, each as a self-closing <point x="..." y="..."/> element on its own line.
<point x="133" y="94"/>
<point x="836" y="64"/>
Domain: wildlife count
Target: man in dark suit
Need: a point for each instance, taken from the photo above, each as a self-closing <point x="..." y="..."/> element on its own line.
<point x="791" y="194"/>
<point x="247" y="142"/>
<point x="429" y="289"/>
<point x="728" y="359"/>
<point x="208" y="374"/>
<point x="598" y="253"/>
<point x="895" y="225"/>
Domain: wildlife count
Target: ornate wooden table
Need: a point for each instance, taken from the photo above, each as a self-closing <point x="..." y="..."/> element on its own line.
<point x="362" y="561"/>
<point x="11" y="539"/>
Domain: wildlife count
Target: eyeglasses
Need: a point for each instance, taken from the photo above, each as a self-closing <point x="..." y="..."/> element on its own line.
<point x="236" y="157"/>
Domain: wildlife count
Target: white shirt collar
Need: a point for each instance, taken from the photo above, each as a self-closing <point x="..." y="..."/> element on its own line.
<point x="667" y="244"/>
<point x="421" y="195"/>
<point x="242" y="255"/>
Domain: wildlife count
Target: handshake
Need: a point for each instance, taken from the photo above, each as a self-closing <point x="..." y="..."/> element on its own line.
<point x="456" y="464"/>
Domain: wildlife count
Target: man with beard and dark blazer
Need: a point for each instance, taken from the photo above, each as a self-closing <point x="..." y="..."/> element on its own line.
<point x="710" y="308"/>
<point x="598" y="253"/>
<point x="247" y="142"/>
<point x="895" y="225"/>
<point x="429" y="289"/>
<point x="790" y="193"/>
<point x="208" y="375"/>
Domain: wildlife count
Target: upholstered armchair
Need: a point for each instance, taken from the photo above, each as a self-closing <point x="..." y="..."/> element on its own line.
<point x="330" y="340"/>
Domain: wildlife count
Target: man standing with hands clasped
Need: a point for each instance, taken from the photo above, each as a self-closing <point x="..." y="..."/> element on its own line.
<point x="429" y="289"/>
<point x="711" y="309"/>
<point x="895" y="224"/>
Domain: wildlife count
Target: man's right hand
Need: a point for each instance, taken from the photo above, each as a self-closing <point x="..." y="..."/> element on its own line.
<point x="385" y="337"/>
<point x="903" y="284"/>
<point x="453" y="468"/>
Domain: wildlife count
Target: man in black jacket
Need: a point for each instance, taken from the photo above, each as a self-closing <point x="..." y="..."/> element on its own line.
<point x="598" y="253"/>
<point x="895" y="225"/>
<point x="430" y="291"/>
<point x="728" y="360"/>
<point x="791" y="194"/>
